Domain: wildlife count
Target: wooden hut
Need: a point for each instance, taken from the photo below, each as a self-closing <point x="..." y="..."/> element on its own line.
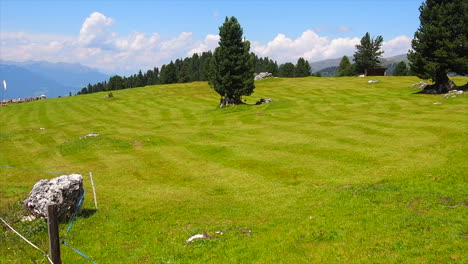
<point x="376" y="72"/>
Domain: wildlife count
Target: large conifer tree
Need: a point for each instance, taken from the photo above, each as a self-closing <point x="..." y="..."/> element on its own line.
<point x="440" y="44"/>
<point x="232" y="64"/>
<point x="368" y="53"/>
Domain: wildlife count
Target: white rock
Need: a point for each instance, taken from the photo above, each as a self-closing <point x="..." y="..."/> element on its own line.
<point x="27" y="218"/>
<point x="262" y="75"/>
<point x="65" y="191"/>
<point x="197" y="236"/>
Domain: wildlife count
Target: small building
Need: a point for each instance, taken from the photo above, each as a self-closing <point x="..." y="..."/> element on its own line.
<point x="376" y="72"/>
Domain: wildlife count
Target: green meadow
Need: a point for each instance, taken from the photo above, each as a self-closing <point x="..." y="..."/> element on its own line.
<point x="334" y="170"/>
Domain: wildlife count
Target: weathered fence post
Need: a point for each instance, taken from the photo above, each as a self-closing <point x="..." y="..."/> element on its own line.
<point x="54" y="241"/>
<point x="94" y="190"/>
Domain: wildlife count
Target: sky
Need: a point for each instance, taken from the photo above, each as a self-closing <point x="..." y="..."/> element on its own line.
<point x="122" y="37"/>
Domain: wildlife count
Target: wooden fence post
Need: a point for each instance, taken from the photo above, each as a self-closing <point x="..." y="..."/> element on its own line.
<point x="54" y="241"/>
<point x="94" y="190"/>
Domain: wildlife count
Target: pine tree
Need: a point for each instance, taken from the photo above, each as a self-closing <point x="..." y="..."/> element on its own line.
<point x="302" y="68"/>
<point x="115" y="83"/>
<point x="272" y="67"/>
<point x="168" y="73"/>
<point x="401" y="69"/>
<point x="184" y="72"/>
<point x="140" y="82"/>
<point x="286" y="70"/>
<point x="440" y="44"/>
<point x="345" y="68"/>
<point x="155" y="75"/>
<point x="368" y="53"/>
<point x="232" y="63"/>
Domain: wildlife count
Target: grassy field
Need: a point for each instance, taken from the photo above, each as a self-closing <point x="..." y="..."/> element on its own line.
<point x="334" y="170"/>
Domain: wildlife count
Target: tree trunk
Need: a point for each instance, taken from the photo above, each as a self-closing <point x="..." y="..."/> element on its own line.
<point x="442" y="85"/>
<point x="227" y="100"/>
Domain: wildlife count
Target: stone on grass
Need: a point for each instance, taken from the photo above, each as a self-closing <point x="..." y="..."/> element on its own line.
<point x="263" y="101"/>
<point x="65" y="191"/>
<point x="262" y="75"/>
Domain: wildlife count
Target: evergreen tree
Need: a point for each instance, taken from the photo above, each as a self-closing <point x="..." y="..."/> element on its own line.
<point x="345" y="68"/>
<point x="368" y="53"/>
<point x="140" y="80"/>
<point x="83" y="91"/>
<point x="90" y="88"/>
<point x="194" y="67"/>
<point x="205" y="65"/>
<point x="155" y="75"/>
<point x="115" y="83"/>
<point x="168" y="73"/>
<point x="401" y="69"/>
<point x="232" y="64"/>
<point x="440" y="44"/>
<point x="272" y="67"/>
<point x="184" y="72"/>
<point x="286" y="70"/>
<point x="302" y="68"/>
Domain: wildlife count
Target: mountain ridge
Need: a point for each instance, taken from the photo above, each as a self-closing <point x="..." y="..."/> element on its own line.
<point x="328" y="63"/>
<point x="32" y="78"/>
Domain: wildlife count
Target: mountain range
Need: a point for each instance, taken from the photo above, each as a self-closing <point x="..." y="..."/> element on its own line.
<point x="320" y="65"/>
<point x="33" y="78"/>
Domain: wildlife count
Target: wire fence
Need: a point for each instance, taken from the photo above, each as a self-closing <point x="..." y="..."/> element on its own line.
<point x="72" y="220"/>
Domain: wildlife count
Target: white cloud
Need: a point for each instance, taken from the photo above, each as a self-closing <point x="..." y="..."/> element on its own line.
<point x="98" y="46"/>
<point x="174" y="46"/>
<point x="95" y="31"/>
<point x="309" y="45"/>
<point x="396" y="46"/>
<point x="210" y="43"/>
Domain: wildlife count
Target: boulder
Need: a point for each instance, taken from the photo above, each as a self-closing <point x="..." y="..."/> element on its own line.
<point x="262" y="75"/>
<point x="263" y="101"/>
<point x="65" y="191"/>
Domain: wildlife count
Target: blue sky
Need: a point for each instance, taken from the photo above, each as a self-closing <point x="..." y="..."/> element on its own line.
<point x="125" y="36"/>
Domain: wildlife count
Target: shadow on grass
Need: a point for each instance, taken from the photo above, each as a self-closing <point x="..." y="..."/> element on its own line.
<point x="87" y="212"/>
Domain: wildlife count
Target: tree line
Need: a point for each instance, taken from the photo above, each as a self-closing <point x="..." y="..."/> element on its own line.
<point x="199" y="67"/>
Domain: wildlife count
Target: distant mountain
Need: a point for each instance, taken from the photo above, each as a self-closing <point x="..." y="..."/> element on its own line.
<point x="52" y="79"/>
<point x="22" y="83"/>
<point x="397" y="58"/>
<point x="320" y="65"/>
<point x="329" y="71"/>
<point x="327" y="65"/>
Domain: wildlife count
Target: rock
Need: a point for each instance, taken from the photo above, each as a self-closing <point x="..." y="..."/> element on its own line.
<point x="28" y="218"/>
<point x="421" y="85"/>
<point x="198" y="236"/>
<point x="262" y="75"/>
<point x="65" y="191"/>
<point x="453" y="93"/>
<point x="90" y="135"/>
<point x="263" y="101"/>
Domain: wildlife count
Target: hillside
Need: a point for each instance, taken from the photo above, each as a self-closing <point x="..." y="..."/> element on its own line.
<point x="329" y="63"/>
<point x="32" y="78"/>
<point x="334" y="170"/>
